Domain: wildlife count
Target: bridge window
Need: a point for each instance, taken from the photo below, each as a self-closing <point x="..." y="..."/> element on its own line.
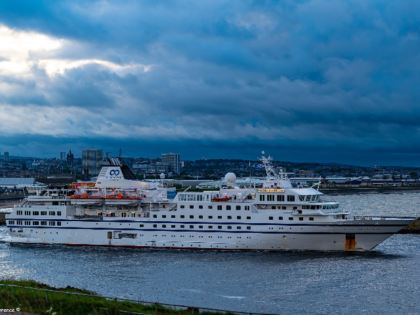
<point x="308" y="198"/>
<point x="291" y="198"/>
<point x="262" y="197"/>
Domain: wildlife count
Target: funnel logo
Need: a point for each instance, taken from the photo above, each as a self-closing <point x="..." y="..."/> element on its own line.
<point x="114" y="175"/>
<point x="114" y="172"/>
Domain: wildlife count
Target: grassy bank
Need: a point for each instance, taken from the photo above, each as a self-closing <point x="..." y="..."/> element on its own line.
<point x="34" y="301"/>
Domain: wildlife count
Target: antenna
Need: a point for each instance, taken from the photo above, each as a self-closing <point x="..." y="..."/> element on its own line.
<point x="249" y="166"/>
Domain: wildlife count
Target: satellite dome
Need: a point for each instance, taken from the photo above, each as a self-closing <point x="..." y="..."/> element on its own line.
<point x="162" y="176"/>
<point x="230" y="178"/>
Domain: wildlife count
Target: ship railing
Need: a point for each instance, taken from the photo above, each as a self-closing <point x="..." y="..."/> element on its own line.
<point x="111" y="303"/>
<point x="88" y="216"/>
<point x="366" y="217"/>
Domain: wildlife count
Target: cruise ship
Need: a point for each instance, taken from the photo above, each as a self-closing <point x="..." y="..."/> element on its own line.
<point x="120" y="211"/>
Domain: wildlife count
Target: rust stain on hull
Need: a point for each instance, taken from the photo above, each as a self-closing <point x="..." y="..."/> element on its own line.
<point x="350" y="241"/>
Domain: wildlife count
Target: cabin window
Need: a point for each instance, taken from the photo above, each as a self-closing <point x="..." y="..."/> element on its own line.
<point x="248" y="218"/>
<point x="37" y="223"/>
<point x="291" y="198"/>
<point x="18" y="212"/>
<point x="238" y="217"/>
<point x="210" y="207"/>
<point x="43" y="222"/>
<point x="283" y="208"/>
<point x="238" y="227"/>
<point x="210" y="217"/>
<point x="270" y="218"/>
<point x="290" y="219"/>
<point x="280" y="197"/>
<point x="191" y="207"/>
<point x="300" y="218"/>
<point x="228" y="207"/>
<point x="200" y="226"/>
<point x="280" y="218"/>
<point x="27" y="212"/>
<point x="11" y="222"/>
<point x="58" y="223"/>
<point x="182" y="206"/>
<point x="311" y="218"/>
<point x="52" y="223"/>
<point x="164" y="216"/>
<point x="273" y="207"/>
<point x="35" y="212"/>
<point x="20" y="223"/>
<point x="229" y="217"/>
<point x="200" y="207"/>
<point x="58" y="212"/>
<point x="308" y="198"/>
<point x="262" y="198"/>
<point x="248" y="227"/>
<point x="229" y="228"/>
<point x="246" y="207"/>
<point x="141" y="225"/>
<point x="200" y="216"/>
<point x="43" y="212"/>
<point x="210" y="227"/>
<point x="219" y="207"/>
<point x="191" y="217"/>
<point x="270" y="197"/>
<point x="238" y="207"/>
<point x="172" y="216"/>
<point x="155" y="225"/>
<point x="51" y="212"/>
<point x="182" y="226"/>
<point x="27" y="222"/>
<point x="191" y="226"/>
<point x="182" y="216"/>
<point x="172" y="226"/>
<point x="164" y="226"/>
<point x="219" y="227"/>
<point x="155" y="216"/>
<point x="313" y="197"/>
<point x="302" y="198"/>
<point x="112" y="214"/>
<point x="219" y="217"/>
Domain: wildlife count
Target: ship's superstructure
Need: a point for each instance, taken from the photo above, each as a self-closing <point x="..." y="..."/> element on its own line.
<point x="118" y="210"/>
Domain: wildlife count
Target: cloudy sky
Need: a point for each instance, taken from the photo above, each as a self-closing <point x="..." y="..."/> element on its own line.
<point x="305" y="80"/>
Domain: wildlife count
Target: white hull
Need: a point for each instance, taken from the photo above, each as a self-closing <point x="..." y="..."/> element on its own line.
<point x="261" y="237"/>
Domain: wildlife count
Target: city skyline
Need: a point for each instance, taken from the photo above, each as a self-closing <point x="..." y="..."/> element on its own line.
<point x="321" y="81"/>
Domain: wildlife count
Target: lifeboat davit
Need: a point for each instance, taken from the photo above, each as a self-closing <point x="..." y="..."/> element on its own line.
<point x="222" y="199"/>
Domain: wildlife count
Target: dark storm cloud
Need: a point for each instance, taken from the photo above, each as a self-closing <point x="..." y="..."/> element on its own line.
<point x="338" y="79"/>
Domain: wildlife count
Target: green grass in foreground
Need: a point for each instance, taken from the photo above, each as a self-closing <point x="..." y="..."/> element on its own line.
<point x="34" y="301"/>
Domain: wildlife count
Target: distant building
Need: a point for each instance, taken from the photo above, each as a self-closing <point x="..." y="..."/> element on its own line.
<point x="70" y="159"/>
<point x="108" y="155"/>
<point x="62" y="156"/>
<point x="173" y="160"/>
<point x="303" y="173"/>
<point x="92" y="161"/>
<point x="6" y="156"/>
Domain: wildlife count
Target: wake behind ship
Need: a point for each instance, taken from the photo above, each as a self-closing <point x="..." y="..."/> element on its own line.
<point x="120" y="211"/>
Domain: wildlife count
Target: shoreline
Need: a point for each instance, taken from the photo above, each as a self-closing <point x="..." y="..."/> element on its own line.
<point x="360" y="191"/>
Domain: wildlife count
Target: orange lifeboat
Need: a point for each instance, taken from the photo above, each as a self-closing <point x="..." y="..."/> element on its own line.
<point x="222" y="199"/>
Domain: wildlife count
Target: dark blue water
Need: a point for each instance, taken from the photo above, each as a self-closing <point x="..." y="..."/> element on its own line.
<point x="386" y="280"/>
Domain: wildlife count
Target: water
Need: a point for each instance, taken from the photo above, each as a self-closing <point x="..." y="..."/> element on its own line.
<point x="385" y="280"/>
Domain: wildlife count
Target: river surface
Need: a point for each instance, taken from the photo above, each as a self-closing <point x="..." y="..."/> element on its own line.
<point x="384" y="281"/>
